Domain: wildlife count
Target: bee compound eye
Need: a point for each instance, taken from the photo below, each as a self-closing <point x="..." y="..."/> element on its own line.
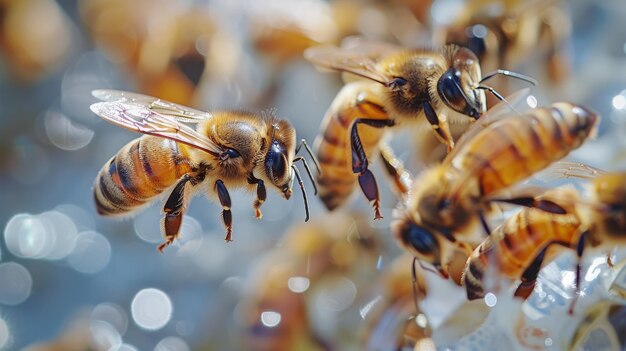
<point x="419" y="238"/>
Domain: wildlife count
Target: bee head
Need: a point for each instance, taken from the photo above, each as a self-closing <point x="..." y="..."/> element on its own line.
<point x="280" y="155"/>
<point x="457" y="86"/>
<point x="419" y="240"/>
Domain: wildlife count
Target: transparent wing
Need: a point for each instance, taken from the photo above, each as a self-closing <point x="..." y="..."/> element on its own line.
<point x="516" y="104"/>
<point x="139" y="117"/>
<point x="163" y="107"/>
<point x="567" y="169"/>
<point x="356" y="56"/>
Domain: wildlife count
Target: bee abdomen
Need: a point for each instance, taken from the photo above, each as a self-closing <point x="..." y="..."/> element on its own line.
<point x="533" y="142"/>
<point x="334" y="152"/>
<point x="140" y="171"/>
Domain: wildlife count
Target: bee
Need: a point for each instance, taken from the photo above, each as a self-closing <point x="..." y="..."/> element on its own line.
<point x="517" y="249"/>
<point x="288" y="279"/>
<point x="507" y="33"/>
<point x="391" y="317"/>
<point x="437" y="87"/>
<point x="227" y="149"/>
<point x="448" y="201"/>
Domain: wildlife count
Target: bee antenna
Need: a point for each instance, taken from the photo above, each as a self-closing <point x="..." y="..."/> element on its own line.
<point x="497" y="95"/>
<point x="306" y="201"/>
<point x="308" y="171"/>
<point x="508" y="73"/>
<point x="310" y="152"/>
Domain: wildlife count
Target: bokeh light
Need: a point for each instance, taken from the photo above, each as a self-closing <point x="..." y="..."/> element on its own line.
<point x="151" y="309"/>
<point x="298" y="284"/>
<point x="5" y="334"/>
<point x="65" y="134"/>
<point x="104" y="335"/>
<point x="172" y="343"/>
<point x="270" y="318"/>
<point x="123" y="347"/>
<point x="26" y="236"/>
<point x="17" y="283"/>
<point x="112" y="314"/>
<point x="91" y="254"/>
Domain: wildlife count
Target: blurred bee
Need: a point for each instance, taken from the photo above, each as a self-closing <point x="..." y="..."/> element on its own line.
<point x="401" y="86"/>
<point x="227" y="149"/>
<point x="25" y="48"/>
<point x="162" y="45"/>
<point x="449" y="200"/>
<point x="286" y="281"/>
<point x="390" y="319"/>
<point x="605" y="319"/>
<point x="507" y="33"/>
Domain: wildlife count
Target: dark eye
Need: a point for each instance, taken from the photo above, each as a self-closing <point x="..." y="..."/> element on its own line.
<point x="229" y="153"/>
<point x="397" y="83"/>
<point x="275" y="163"/>
<point x="450" y="91"/>
<point x="420" y="239"/>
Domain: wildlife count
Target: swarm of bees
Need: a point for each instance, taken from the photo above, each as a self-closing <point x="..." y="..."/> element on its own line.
<point x="445" y="216"/>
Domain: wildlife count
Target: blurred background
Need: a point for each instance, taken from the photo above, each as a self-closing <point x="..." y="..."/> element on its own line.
<point x="71" y="280"/>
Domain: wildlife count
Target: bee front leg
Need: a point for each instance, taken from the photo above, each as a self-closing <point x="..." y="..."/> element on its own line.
<point x="174" y="209"/>
<point x="261" y="195"/>
<point x="227" y="216"/>
<point x="439" y="125"/>
<point x="360" y="163"/>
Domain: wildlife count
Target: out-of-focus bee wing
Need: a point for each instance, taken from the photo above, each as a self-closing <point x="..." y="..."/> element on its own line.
<point x="333" y="58"/>
<point x="139" y="117"/>
<point x="567" y="169"/>
<point x="163" y="107"/>
<point x="516" y="103"/>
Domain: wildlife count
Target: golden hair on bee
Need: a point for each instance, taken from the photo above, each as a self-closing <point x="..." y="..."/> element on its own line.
<point x="227" y="149"/>
<point x="396" y="86"/>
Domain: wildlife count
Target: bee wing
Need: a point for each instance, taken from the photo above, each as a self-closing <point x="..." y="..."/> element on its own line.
<point x="164" y="107"/>
<point x="515" y="104"/>
<point x="140" y="117"/>
<point x="359" y="60"/>
<point x="567" y="169"/>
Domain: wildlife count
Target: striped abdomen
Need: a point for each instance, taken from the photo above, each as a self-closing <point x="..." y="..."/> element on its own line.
<point x="355" y="100"/>
<point x="140" y="171"/>
<point x="515" y="148"/>
<point x="512" y="247"/>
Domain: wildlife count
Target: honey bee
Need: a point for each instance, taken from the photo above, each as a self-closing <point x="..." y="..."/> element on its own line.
<point x="401" y="86"/>
<point x="448" y="201"/>
<point x="227" y="149"/>
<point x="507" y="33"/>
<point x="517" y="249"/>
<point x="310" y="256"/>
<point x="391" y="318"/>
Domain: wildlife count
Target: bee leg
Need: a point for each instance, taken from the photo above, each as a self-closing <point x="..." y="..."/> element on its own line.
<point x="227" y="216"/>
<point x="261" y="195"/>
<point x="360" y="164"/>
<point x="394" y="167"/>
<point x="529" y="277"/>
<point x="174" y="209"/>
<point x="580" y="248"/>
<point x="439" y="125"/>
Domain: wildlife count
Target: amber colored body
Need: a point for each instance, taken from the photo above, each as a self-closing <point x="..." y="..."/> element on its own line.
<point x="149" y="165"/>
<point x="421" y="71"/>
<point x="513" y="247"/>
<point x="447" y="199"/>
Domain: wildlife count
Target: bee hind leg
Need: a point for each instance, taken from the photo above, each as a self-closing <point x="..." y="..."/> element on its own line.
<point x="529" y="277"/>
<point x="227" y="215"/>
<point x="401" y="178"/>
<point x="367" y="181"/>
<point x="174" y="209"/>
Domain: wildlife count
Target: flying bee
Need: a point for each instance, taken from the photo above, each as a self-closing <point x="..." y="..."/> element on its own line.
<point x="518" y="248"/>
<point x="448" y="201"/>
<point x="507" y="33"/>
<point x="227" y="149"/>
<point x="437" y="87"/>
